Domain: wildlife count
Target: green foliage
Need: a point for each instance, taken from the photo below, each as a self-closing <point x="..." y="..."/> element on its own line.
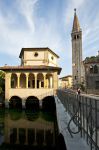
<point x="81" y="86"/>
<point x="1" y="90"/>
<point x="92" y="59"/>
<point x="2" y="81"/>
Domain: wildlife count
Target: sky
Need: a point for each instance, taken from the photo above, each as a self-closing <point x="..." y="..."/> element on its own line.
<point x="47" y="23"/>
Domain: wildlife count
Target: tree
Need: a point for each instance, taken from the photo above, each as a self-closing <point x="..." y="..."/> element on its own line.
<point x="2" y="81"/>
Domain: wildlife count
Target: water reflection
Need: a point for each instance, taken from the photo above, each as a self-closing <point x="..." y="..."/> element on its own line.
<point x="28" y="129"/>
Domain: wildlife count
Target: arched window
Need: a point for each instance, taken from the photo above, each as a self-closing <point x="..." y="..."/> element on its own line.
<point x="95" y="69"/>
<point x="13" y="80"/>
<point x="77" y="36"/>
<point x="74" y="37"/>
<point x="91" y="69"/>
<point x="49" y="79"/>
<point x="40" y="80"/>
<point x="23" y="80"/>
<point x="31" y="81"/>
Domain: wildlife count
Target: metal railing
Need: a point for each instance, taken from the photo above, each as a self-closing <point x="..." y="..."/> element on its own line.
<point x="84" y="112"/>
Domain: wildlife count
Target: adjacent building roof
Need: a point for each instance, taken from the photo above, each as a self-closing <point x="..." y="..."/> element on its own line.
<point x="76" y="25"/>
<point x="28" y="68"/>
<point x="65" y="77"/>
<point x="37" y="49"/>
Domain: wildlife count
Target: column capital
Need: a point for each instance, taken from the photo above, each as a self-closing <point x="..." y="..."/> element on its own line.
<point x="35" y="74"/>
<point x="18" y="74"/>
<point x="44" y="74"/>
<point x="27" y="74"/>
<point x="8" y="74"/>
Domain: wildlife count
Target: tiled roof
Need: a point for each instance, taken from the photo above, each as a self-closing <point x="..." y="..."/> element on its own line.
<point x="65" y="77"/>
<point x="41" y="67"/>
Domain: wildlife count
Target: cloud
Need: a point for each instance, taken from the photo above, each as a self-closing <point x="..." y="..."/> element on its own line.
<point x="70" y="10"/>
<point x="21" y="26"/>
<point x="26" y="8"/>
<point x="13" y="37"/>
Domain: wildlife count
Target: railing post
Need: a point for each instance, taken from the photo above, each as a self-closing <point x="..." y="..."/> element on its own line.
<point x="96" y="123"/>
<point x="83" y="115"/>
<point x="86" y="121"/>
<point x="84" y="111"/>
<point x="80" y="105"/>
<point x="90" y="122"/>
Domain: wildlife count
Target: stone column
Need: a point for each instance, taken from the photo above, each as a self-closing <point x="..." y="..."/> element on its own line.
<point x="27" y="80"/>
<point x="44" y="142"/>
<point x="44" y="74"/>
<point x="51" y="82"/>
<point x="17" y="142"/>
<point x="7" y="88"/>
<point x="47" y="83"/>
<point x="26" y="133"/>
<point x="35" y="142"/>
<point x="35" y="74"/>
<point x="55" y="82"/>
<point x="39" y="84"/>
<point x="18" y="80"/>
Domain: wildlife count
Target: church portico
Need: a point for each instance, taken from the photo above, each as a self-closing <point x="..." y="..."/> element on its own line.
<point x="30" y="80"/>
<point x="26" y="84"/>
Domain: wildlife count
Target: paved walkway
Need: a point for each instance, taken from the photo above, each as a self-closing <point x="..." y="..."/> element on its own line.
<point x="75" y="143"/>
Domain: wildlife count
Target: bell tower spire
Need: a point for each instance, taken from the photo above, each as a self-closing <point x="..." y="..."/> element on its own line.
<point x="76" y="26"/>
<point x="76" y="36"/>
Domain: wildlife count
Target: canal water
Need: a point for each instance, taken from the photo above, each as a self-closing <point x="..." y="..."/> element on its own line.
<point x="28" y="130"/>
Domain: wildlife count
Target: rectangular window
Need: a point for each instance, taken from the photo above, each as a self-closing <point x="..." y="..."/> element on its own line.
<point x="97" y="84"/>
<point x="75" y="77"/>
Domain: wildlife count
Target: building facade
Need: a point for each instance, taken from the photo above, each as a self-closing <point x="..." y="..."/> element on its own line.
<point x="36" y="76"/>
<point x="91" y="66"/>
<point x="76" y="36"/>
<point x="65" y="82"/>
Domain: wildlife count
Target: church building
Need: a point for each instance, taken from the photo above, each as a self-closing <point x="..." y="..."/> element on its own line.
<point x="36" y="76"/>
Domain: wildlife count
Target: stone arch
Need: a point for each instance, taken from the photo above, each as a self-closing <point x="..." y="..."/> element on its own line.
<point x="49" y="78"/>
<point x="95" y="69"/>
<point x="22" y="80"/>
<point x="32" y="103"/>
<point x="15" y="102"/>
<point x="48" y="104"/>
<point x="40" y="80"/>
<point x="31" y="81"/>
<point x="13" y="80"/>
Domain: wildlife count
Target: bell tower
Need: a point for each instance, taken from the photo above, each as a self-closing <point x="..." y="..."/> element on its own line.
<point x="76" y="36"/>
